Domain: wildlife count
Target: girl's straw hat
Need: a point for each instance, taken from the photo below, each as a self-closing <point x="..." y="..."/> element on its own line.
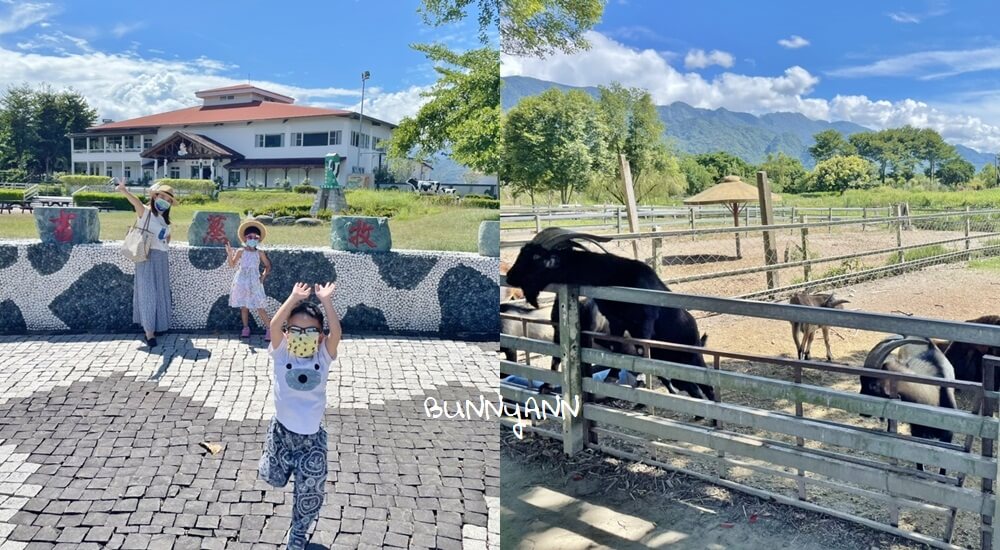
<point x="164" y="190"/>
<point x="255" y="224"/>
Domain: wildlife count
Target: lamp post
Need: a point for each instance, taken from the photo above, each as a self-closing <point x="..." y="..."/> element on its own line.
<point x="364" y="76"/>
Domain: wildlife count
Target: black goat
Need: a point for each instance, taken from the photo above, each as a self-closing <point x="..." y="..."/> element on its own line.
<point x="968" y="358"/>
<point x="555" y="256"/>
<point x="916" y="356"/>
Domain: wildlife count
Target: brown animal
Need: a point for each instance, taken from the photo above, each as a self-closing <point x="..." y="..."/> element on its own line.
<point x="803" y="333"/>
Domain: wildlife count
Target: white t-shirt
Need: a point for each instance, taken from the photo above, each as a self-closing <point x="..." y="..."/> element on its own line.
<point x="159" y="230"/>
<point x="300" y="387"/>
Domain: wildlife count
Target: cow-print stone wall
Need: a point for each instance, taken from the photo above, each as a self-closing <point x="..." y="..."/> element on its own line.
<point x="46" y="287"/>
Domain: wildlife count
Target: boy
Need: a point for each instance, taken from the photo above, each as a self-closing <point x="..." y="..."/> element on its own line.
<point x="296" y="441"/>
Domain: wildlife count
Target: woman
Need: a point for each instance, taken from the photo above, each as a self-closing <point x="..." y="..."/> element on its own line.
<point x="151" y="295"/>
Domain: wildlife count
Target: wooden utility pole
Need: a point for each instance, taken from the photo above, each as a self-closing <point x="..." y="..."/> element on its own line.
<point x="633" y="215"/>
<point x="767" y="218"/>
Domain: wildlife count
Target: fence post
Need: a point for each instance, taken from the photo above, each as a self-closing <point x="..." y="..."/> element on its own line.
<point x="691" y="216"/>
<point x="829" y="218"/>
<point x="619" y="220"/>
<point x="989" y="405"/>
<point x="805" y="247"/>
<point x="767" y="218"/>
<point x="864" y="216"/>
<point x="657" y="250"/>
<point x="899" y="232"/>
<point x="968" y="229"/>
<point x="575" y="427"/>
<point x="538" y="223"/>
<point x="791" y="217"/>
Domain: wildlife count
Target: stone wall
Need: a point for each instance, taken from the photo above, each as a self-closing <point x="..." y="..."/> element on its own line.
<point x="88" y="288"/>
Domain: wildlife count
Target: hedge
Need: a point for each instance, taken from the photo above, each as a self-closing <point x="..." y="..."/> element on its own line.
<point x="116" y="201"/>
<point x="305" y="188"/>
<point x="481" y="203"/>
<point x="11" y="195"/>
<point x="205" y="187"/>
<point x="84" y="180"/>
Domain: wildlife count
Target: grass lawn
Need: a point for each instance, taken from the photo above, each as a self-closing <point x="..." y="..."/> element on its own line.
<point x="989" y="264"/>
<point x="415" y="226"/>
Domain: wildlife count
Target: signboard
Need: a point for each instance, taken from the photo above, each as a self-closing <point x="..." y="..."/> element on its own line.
<point x="356" y="181"/>
<point x="331" y="168"/>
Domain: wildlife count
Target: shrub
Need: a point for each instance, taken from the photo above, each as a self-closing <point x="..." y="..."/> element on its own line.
<point x="481" y="203"/>
<point x="80" y="181"/>
<point x="296" y="210"/>
<point x="919" y="254"/>
<point x="14" y="175"/>
<point x="305" y="188"/>
<point x="11" y="195"/>
<point x="116" y="201"/>
<point x="186" y="186"/>
<point x="197" y="198"/>
<point x="52" y="190"/>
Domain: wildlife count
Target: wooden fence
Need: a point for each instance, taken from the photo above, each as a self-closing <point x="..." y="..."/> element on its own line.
<point x="819" y="452"/>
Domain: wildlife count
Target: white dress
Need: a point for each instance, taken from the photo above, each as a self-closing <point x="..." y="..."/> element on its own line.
<point x="247" y="290"/>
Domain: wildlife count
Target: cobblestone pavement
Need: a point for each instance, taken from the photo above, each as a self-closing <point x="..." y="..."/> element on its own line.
<point x="100" y="445"/>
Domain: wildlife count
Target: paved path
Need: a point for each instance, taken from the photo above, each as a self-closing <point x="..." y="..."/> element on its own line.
<point x="100" y="445"/>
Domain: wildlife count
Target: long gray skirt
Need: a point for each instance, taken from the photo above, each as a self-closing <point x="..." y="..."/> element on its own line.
<point x="151" y="297"/>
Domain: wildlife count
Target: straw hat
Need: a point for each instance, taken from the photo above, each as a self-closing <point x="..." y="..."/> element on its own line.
<point x="256" y="225"/>
<point x="164" y="190"/>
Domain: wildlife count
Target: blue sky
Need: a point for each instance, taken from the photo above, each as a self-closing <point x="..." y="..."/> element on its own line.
<point x="132" y="58"/>
<point x="878" y="63"/>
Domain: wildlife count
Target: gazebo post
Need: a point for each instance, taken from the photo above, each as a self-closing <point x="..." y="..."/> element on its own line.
<point x="735" y="208"/>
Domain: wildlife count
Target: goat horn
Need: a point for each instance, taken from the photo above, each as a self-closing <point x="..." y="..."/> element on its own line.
<point x="882" y="350"/>
<point x="551" y="237"/>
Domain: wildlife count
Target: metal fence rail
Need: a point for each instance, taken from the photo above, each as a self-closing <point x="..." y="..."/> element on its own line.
<point x="840" y="456"/>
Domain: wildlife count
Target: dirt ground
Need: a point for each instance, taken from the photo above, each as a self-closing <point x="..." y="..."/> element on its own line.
<point x="586" y="515"/>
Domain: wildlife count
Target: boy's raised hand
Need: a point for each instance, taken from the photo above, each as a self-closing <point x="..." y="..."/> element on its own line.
<point x="121" y="185"/>
<point x="324" y="292"/>
<point x="301" y="291"/>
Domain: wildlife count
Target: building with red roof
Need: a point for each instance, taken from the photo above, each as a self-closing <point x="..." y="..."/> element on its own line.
<point x="242" y="134"/>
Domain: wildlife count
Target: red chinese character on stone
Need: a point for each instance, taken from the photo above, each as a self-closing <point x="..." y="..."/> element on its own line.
<point x="64" y="231"/>
<point x="360" y="232"/>
<point x="216" y="230"/>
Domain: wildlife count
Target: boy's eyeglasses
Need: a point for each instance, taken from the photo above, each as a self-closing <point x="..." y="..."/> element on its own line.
<point x="297" y="330"/>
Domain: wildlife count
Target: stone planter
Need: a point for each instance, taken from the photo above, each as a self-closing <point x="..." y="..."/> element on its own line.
<point x="360" y="234"/>
<point x="71" y="225"/>
<point x="214" y="229"/>
<point x="489" y="239"/>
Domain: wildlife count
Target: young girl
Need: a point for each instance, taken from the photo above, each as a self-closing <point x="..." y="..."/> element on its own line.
<point x="296" y="441"/>
<point x="248" y="283"/>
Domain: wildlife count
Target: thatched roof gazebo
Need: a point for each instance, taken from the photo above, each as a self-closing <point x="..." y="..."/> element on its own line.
<point x="735" y="194"/>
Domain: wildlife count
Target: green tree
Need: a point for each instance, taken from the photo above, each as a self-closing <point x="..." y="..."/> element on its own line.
<point x="34" y="124"/>
<point x="527" y="27"/>
<point x="930" y="148"/>
<point x="988" y="176"/>
<point x="698" y="178"/>
<point x="955" y="171"/>
<point x="785" y="173"/>
<point x="633" y="128"/>
<point x="874" y="147"/>
<point x="19" y="127"/>
<point x="830" y="143"/>
<point x="462" y="114"/>
<point x="721" y="164"/>
<point x="842" y="173"/>
<point x="553" y="142"/>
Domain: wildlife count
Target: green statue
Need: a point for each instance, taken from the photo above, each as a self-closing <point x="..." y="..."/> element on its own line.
<point x="332" y="170"/>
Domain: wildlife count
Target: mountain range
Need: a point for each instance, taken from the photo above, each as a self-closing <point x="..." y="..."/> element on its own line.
<point x="750" y="137"/>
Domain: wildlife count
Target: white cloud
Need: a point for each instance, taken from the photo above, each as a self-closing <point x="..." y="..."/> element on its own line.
<point x="126" y="85"/>
<point x="699" y="59"/>
<point x="903" y="17"/>
<point x="929" y="64"/>
<point x="121" y="29"/>
<point x="58" y="42"/>
<point x="793" y="42"/>
<point x="23" y="15"/>
<point x="608" y="61"/>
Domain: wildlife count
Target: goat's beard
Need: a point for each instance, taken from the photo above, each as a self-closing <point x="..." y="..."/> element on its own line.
<point x="531" y="293"/>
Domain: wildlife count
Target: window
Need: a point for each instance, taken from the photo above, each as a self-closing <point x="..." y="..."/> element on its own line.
<point x="114" y="143"/>
<point x="80" y="144"/>
<point x="129" y="143"/>
<point x="196" y="172"/>
<point x="335" y="137"/>
<point x="315" y="139"/>
<point x="365" y="140"/>
<point x="269" y="140"/>
<point x="225" y="97"/>
<point x="110" y="172"/>
<point x="175" y="172"/>
<point x="234" y="177"/>
<point x="128" y="173"/>
<point x="79" y="167"/>
<point x="147" y="142"/>
<point x="96" y="144"/>
<point x="95" y="169"/>
<point x="357" y="169"/>
<point x="377" y="144"/>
